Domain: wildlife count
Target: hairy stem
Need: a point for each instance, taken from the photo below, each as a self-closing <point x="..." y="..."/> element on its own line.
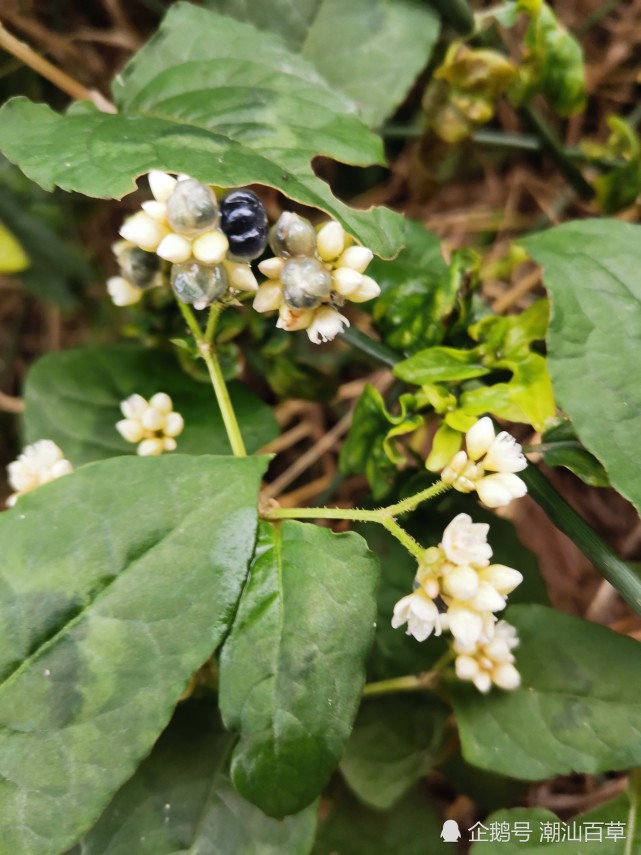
<point x="410" y="682"/>
<point x="207" y="351"/>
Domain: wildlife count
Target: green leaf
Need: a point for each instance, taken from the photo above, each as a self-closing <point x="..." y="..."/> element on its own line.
<point x="292" y="668"/>
<point x="371" y="50"/>
<point x="215" y="98"/>
<point x="561" y="447"/>
<point x="578" y="709"/>
<point x="417" y="292"/>
<point x="135" y="567"/>
<point x="42" y="224"/>
<point x="181" y="799"/>
<point x="73" y="397"/>
<point x="441" y="364"/>
<point x="590" y="269"/>
<point x="395" y="742"/>
<point x="413" y="827"/>
<point x="605" y="839"/>
<point x="364" y="449"/>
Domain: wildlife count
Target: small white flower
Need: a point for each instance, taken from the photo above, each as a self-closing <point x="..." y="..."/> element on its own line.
<point x="293" y="319"/>
<point x="367" y="290"/>
<point x="503" y="579"/>
<point x="419" y="613"/>
<point x="500" y="455"/>
<point x="346" y="281"/>
<point x="269" y="296"/>
<point x="210" y="247"/>
<point x="461" y="583"/>
<point x="356" y="257"/>
<point x="240" y="276"/>
<point x="152" y="425"/>
<point x="489" y="661"/>
<point x="326" y="325"/>
<point x="123" y="293"/>
<point x="272" y="267"/>
<point x="465" y="542"/>
<point x="38" y="464"/>
<point x="466" y="625"/>
<point x="498" y="490"/>
<point x="330" y="241"/>
<point x="143" y="231"/>
<point x="175" y="248"/>
<point x="161" y="185"/>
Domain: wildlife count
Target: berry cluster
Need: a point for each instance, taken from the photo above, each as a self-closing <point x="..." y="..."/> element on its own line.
<point x="207" y="244"/>
<point x="311" y="275"/>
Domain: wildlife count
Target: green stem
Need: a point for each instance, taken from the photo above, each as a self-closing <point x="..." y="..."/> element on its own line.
<point x="410" y="682"/>
<point x="634" y="791"/>
<point x="412" y="546"/>
<point x="206" y="348"/>
<point x="617" y="572"/>
<point x="356" y="514"/>
<point x="411" y="503"/>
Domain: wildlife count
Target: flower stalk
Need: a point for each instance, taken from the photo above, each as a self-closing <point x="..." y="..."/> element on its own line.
<point x="207" y="350"/>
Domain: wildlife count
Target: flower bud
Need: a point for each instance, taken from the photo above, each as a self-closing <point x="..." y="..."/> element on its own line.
<point x="367" y="290"/>
<point x="466" y="667"/>
<point x="272" y="267"/>
<point x="240" y="276"/>
<point x="356" y="257"/>
<point x="122" y="292"/>
<point x="130" y="430"/>
<point x="175" y="248"/>
<point x="346" y="280"/>
<point x="503" y="579"/>
<point x="210" y="247"/>
<point x="330" y="241"/>
<point x="161" y="402"/>
<point x="152" y="419"/>
<point x="268" y="297"/>
<point x="461" y="583"/>
<point x="505" y="676"/>
<point x="143" y="231"/>
<point x="161" y="185"/>
<point x="151" y="447"/>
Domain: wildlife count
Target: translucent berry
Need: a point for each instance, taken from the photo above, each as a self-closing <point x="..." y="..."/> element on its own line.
<point x="192" y="208"/>
<point x="138" y="267"/>
<point x="244" y="220"/>
<point x="292" y="235"/>
<point x="198" y="284"/>
<point x="305" y="283"/>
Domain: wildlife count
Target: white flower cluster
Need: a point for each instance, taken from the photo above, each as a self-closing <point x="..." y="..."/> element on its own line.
<point x="311" y="276"/>
<point x="38" y="464"/>
<point x="458" y="575"/>
<point x="488" y="465"/>
<point x="180" y="226"/>
<point x="152" y="424"/>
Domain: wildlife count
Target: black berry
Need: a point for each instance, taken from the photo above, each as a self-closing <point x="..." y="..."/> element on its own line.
<point x="243" y="220"/>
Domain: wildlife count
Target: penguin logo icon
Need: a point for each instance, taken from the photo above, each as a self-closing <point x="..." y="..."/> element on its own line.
<point x="450" y="832"/>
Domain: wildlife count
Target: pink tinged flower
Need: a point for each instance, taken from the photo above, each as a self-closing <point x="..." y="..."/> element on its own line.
<point x="498" y="490"/>
<point x="326" y="325"/>
<point x="419" y="613"/>
<point x="465" y="542"/>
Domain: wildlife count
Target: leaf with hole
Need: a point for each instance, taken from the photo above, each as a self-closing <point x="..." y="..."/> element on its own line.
<point x="215" y="98"/>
